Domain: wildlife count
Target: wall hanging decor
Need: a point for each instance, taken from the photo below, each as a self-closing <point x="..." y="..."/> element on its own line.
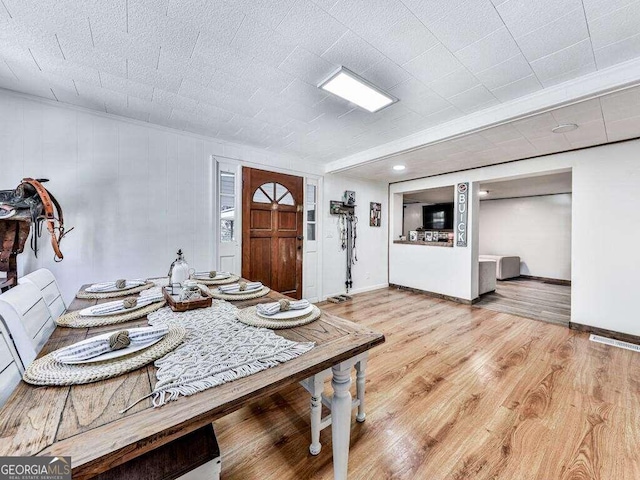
<point x="375" y="214"/>
<point x="22" y="211"/>
<point x="349" y="197"/>
<point x="347" y="223"/>
<point x="335" y="207"/>
<point x="462" y="207"/>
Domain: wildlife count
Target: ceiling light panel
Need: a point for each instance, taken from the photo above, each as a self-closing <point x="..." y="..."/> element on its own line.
<point x="349" y="86"/>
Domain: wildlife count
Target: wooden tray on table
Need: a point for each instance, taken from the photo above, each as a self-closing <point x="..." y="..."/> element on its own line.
<point x="183" y="305"/>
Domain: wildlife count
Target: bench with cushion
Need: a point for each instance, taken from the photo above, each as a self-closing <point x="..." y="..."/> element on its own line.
<point x="486" y="276"/>
<point x="506" y="266"/>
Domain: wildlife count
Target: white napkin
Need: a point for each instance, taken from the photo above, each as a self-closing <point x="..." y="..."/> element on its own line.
<point x="110" y="307"/>
<point x="150" y="296"/>
<point x="93" y="348"/>
<point x="205" y="275"/>
<point x="101" y="287"/>
<point x="235" y="287"/>
<point x="118" y="305"/>
<point x="275" y="307"/>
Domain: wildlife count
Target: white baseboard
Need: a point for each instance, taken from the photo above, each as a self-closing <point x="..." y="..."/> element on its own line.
<point x="355" y="291"/>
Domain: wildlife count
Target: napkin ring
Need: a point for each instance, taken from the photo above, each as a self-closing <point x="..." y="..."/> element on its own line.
<point x="119" y="340"/>
<point x="284" y="305"/>
<point x="242" y="286"/>
<point x="121" y="283"/>
<point x="129" y="302"/>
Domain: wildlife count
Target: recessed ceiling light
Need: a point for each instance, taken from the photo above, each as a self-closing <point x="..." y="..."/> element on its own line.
<point x="349" y="86"/>
<point x="399" y="168"/>
<point x="564" y="127"/>
<point x="483" y="193"/>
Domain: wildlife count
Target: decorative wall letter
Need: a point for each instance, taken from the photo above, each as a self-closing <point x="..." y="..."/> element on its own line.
<point x="462" y="207"/>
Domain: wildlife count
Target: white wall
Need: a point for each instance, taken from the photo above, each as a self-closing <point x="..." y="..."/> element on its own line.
<point x="371" y="270"/>
<point x="135" y="192"/>
<point x="537" y="229"/>
<point x="604" y="272"/>
<point x="431" y="268"/>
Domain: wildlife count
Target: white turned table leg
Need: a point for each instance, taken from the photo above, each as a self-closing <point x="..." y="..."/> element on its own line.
<point x="361" y="367"/>
<point x="317" y="386"/>
<point x="341" y="419"/>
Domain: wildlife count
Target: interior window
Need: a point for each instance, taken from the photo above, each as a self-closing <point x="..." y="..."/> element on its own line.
<point x="273" y="193"/>
<point x="311" y="212"/>
<point x="227" y="183"/>
<point x="287" y="199"/>
<point x="260" y="196"/>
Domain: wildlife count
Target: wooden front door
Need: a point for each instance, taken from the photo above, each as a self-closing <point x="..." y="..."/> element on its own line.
<point x="272" y="230"/>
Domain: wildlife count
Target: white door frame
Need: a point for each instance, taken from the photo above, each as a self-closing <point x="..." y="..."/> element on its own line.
<point x="313" y="247"/>
<point x="225" y="164"/>
<point x="235" y="165"/>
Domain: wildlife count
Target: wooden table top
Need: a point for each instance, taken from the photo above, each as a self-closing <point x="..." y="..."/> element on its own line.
<point x="84" y="422"/>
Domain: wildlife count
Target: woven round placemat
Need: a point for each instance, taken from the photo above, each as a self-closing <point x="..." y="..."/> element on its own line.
<point x="222" y="281"/>
<point x="232" y="296"/>
<point x="75" y="320"/>
<point x="48" y="371"/>
<point x="119" y="293"/>
<point x="249" y="316"/>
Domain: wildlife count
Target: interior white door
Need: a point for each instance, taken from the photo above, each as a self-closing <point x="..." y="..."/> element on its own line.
<point x="229" y="217"/>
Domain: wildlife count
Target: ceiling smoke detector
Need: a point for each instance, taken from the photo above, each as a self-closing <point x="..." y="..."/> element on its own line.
<point x="564" y="128"/>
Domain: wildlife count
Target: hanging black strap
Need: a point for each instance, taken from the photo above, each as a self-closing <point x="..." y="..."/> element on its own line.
<point x="355" y="236"/>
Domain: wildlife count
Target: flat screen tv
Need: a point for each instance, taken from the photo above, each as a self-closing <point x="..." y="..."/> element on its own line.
<point x="438" y="216"/>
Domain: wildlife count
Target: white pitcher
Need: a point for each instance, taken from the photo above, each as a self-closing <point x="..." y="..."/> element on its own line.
<point x="179" y="271"/>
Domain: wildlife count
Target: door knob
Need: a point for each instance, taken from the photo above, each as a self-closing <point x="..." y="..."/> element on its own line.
<point x="300" y="237"/>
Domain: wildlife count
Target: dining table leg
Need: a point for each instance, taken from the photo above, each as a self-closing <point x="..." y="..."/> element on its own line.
<point x="361" y="368"/>
<point x="341" y="419"/>
<point x="316" y="384"/>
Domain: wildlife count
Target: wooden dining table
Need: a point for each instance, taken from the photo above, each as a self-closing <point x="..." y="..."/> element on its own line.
<point x="85" y="421"/>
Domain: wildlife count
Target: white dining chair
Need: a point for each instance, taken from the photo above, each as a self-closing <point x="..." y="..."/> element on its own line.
<point x="48" y="286"/>
<point x="27" y="318"/>
<point x="10" y="366"/>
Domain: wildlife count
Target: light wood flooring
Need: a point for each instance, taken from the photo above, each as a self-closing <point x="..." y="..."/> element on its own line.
<point x="458" y="392"/>
<point x="530" y="298"/>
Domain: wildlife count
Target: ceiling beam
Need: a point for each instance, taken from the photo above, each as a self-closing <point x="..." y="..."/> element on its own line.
<point x="619" y="77"/>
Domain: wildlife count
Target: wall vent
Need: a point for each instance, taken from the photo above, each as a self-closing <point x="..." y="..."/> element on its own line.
<point x="614" y="343"/>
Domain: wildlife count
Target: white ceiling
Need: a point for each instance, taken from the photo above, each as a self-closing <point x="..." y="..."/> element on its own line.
<point x="601" y="120"/>
<point x="550" y="184"/>
<point x="246" y="70"/>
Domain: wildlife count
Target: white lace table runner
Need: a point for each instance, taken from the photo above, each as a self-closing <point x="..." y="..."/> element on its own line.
<point x="217" y="349"/>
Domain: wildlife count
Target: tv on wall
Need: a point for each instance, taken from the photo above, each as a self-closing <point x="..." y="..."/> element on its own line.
<point x="438" y="216"/>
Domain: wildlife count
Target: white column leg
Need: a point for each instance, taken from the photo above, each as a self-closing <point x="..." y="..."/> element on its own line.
<point x="317" y="385"/>
<point x="341" y="420"/>
<point x="361" y="367"/>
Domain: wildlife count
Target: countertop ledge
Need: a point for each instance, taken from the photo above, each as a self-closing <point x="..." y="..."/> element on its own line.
<point x="423" y="243"/>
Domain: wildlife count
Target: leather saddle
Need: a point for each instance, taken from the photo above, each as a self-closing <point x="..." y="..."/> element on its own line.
<point x="29" y="204"/>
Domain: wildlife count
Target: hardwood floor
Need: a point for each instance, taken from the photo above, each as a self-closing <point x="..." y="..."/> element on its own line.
<point x="458" y="392"/>
<point x="530" y="298"/>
